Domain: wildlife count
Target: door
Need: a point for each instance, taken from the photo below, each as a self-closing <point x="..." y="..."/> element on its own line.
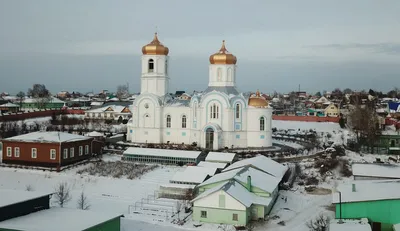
<point x="254" y="213"/>
<point x="376" y="226"/>
<point x="209" y="138"/>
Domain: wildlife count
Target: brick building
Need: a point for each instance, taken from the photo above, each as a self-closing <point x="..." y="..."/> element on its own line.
<point x="48" y="149"/>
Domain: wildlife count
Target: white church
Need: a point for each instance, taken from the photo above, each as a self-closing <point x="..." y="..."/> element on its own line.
<point x="216" y="118"/>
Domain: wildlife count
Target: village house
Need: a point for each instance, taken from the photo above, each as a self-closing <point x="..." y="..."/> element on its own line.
<point x="111" y="112"/>
<point x="9" y="108"/>
<point x="378" y="201"/>
<point x="245" y="191"/>
<point x="48" y="149"/>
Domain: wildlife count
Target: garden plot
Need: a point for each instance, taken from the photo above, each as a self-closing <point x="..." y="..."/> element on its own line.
<point x="117" y="169"/>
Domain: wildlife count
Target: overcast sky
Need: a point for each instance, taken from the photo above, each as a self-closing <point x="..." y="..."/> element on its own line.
<point x="96" y="44"/>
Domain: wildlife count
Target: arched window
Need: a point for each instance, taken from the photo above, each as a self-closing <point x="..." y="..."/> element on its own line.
<point x="237" y="111"/>
<point x="219" y="74"/>
<point x="184" y="121"/>
<point x="229" y="74"/>
<point x="262" y="124"/>
<point x="151" y="65"/>
<point x="195" y="110"/>
<point x="166" y="67"/>
<point x="214" y="111"/>
<point x="168" y="121"/>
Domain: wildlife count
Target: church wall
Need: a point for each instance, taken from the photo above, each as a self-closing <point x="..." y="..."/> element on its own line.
<point x="176" y="133"/>
<point x="255" y="137"/>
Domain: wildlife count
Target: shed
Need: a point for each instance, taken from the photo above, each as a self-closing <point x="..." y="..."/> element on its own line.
<point x="63" y="219"/>
<point x="220" y="157"/>
<point x="176" y="191"/>
<point x="375" y="171"/>
<point x="162" y="156"/>
<point x="15" y="203"/>
<point x="212" y="164"/>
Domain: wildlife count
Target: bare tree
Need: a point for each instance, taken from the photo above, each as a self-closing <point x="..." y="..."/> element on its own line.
<point x="29" y="187"/>
<point x="122" y="92"/>
<point x="320" y="223"/>
<point x="20" y="97"/>
<point x="83" y="202"/>
<point x="365" y="123"/>
<point x="40" y="93"/>
<point x="62" y="193"/>
<point x="347" y="91"/>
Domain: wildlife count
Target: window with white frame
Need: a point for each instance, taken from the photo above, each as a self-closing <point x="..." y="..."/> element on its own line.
<point x="80" y="150"/>
<point x="183" y="121"/>
<point x="168" y="121"/>
<point x="195" y="110"/>
<point x="52" y="154"/>
<point x="65" y="153"/>
<point x="9" y="151"/>
<point x="34" y="153"/>
<point x="71" y="152"/>
<point x="16" y="152"/>
<point x="203" y="214"/>
<point x="214" y="111"/>
<point x="262" y="124"/>
<point x="237" y="111"/>
<point x="86" y="149"/>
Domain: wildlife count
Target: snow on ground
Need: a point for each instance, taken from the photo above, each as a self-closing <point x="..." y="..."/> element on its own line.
<point x="104" y="193"/>
<point x="318" y="126"/>
<point x="337" y="135"/>
<point x="298" y="208"/>
<point x="289" y="144"/>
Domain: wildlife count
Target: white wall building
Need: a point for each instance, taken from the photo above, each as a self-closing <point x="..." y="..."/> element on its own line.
<point x="218" y="117"/>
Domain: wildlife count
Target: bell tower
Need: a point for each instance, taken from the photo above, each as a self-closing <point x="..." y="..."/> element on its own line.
<point x="155" y="64"/>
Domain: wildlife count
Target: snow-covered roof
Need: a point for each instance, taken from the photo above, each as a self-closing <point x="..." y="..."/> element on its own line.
<point x="94" y="134"/>
<point x="61" y="219"/>
<point x="193" y="174"/>
<point x="113" y="108"/>
<point x="9" y="105"/>
<point x="96" y="103"/>
<point x="177" y="103"/>
<point x="368" y="191"/>
<point x="48" y="137"/>
<point x="376" y="170"/>
<point x="9" y="197"/>
<point x="350" y="225"/>
<point x="226" y="90"/>
<point x="224" y="157"/>
<point x="51" y="100"/>
<point x="259" y="179"/>
<point x="181" y="186"/>
<point x="212" y="164"/>
<point x="162" y="152"/>
<point x="396" y="227"/>
<point x="239" y="192"/>
<point x="262" y="163"/>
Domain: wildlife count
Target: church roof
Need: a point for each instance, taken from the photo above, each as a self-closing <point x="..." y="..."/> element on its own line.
<point x="177" y="103"/>
<point x="226" y="90"/>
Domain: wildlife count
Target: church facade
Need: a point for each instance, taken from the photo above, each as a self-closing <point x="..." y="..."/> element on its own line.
<point x="216" y="118"/>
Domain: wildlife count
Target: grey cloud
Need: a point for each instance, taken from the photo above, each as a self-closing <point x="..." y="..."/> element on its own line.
<point x="385" y="48"/>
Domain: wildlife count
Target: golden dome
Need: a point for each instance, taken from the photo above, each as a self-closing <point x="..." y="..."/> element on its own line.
<point x="223" y="56"/>
<point x="258" y="100"/>
<point x="155" y="47"/>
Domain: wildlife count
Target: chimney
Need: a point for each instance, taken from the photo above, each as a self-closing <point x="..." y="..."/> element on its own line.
<point x="353" y="187"/>
<point x="248" y="185"/>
